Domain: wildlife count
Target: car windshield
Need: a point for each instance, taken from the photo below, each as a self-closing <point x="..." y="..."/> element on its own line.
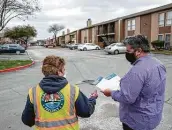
<point x="120" y="44"/>
<point x="5" y="45"/>
<point x="113" y="44"/>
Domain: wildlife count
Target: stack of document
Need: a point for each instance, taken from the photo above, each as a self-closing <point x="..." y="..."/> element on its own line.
<point x="111" y="82"/>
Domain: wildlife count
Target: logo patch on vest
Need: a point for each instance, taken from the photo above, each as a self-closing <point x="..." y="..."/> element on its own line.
<point x="52" y="102"/>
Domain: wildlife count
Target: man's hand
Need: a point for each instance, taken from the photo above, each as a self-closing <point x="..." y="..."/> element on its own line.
<point x="107" y="92"/>
<point x="94" y="94"/>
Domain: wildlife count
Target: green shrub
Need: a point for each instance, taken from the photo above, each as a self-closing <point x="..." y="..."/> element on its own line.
<point x="158" y="44"/>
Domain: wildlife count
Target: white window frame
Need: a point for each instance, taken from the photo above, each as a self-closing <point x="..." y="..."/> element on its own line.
<point x="129" y="25"/>
<point x="162" y="36"/>
<point x="168" y="19"/>
<point x="133" y="26"/>
<point x="159" y="21"/>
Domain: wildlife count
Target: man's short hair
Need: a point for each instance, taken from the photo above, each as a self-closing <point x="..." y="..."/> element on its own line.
<point x="52" y="65"/>
<point x="138" y="41"/>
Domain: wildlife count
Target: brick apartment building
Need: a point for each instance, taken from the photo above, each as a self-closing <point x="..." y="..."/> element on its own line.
<point x="87" y="34"/>
<point x="155" y="24"/>
<point x="70" y="37"/>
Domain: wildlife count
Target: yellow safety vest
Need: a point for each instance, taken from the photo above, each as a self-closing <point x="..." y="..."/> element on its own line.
<point x="55" y="111"/>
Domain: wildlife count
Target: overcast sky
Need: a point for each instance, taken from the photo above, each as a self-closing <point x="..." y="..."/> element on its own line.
<point x="74" y="13"/>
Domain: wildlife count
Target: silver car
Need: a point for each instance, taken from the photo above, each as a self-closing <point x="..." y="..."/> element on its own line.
<point x="88" y="46"/>
<point x="115" y="48"/>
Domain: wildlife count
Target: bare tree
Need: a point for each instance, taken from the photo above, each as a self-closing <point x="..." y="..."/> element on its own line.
<point x="10" y="9"/>
<point x="55" y="28"/>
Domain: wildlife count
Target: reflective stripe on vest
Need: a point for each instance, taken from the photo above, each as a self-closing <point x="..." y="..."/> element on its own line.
<point x="59" y="123"/>
<point x="55" y="123"/>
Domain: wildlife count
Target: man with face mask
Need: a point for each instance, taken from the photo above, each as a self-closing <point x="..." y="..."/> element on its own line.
<point x="55" y="104"/>
<point x="141" y="96"/>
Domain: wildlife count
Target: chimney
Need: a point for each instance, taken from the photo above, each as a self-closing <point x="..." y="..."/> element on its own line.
<point x="68" y="31"/>
<point x="89" y="22"/>
<point x="63" y="33"/>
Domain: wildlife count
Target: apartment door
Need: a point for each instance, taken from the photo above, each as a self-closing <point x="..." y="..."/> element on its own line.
<point x="160" y="37"/>
<point x="167" y="41"/>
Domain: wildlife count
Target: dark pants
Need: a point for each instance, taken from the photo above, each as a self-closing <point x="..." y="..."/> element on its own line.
<point x="126" y="127"/>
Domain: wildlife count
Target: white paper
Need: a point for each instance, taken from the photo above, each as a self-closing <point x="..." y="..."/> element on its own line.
<point x="111" y="82"/>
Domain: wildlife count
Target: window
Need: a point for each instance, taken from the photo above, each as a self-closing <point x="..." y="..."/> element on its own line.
<point x="85" y="39"/>
<point x="161" y="19"/>
<point x="12" y="46"/>
<point x="169" y="18"/>
<point x="131" y="24"/>
<point x="168" y="38"/>
<point x="160" y="37"/>
<point x="93" y="44"/>
<point x="120" y="44"/>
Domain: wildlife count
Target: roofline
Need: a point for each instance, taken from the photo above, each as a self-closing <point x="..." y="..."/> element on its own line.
<point x="160" y="8"/>
<point x="68" y="33"/>
<point x="87" y="27"/>
<point x="109" y="21"/>
<point x="153" y="10"/>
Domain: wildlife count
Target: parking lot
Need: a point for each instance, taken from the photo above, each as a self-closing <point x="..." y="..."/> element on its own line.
<point x="13" y="56"/>
<point x="80" y="66"/>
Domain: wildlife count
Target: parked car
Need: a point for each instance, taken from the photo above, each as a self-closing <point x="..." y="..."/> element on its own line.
<point x="12" y="48"/>
<point x="115" y="48"/>
<point x="88" y="46"/>
<point x="67" y="45"/>
<point x="49" y="45"/>
<point x="62" y="45"/>
<point x="1" y="46"/>
<point x="25" y="46"/>
<point x="73" y="46"/>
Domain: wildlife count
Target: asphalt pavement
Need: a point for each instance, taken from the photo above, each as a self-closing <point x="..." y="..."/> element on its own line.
<point x="14" y="56"/>
<point x="80" y="66"/>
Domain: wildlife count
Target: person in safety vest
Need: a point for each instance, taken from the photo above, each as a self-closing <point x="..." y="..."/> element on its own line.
<point x="54" y="104"/>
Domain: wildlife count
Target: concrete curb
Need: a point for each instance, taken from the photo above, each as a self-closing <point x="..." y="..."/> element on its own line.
<point x="19" y="67"/>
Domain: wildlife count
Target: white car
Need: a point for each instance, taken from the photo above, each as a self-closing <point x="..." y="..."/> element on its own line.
<point x="116" y="48"/>
<point x="88" y="46"/>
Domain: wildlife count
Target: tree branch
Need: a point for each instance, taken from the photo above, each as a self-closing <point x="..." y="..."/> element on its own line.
<point x="6" y="22"/>
<point x="10" y="9"/>
<point x="2" y="12"/>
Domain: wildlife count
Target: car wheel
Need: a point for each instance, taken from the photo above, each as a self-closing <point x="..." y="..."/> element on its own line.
<point x="97" y="48"/>
<point x="85" y="49"/>
<point x="17" y="52"/>
<point x="116" y="52"/>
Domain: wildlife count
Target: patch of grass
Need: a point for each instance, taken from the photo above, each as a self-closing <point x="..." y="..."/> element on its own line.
<point x="165" y="52"/>
<point x="6" y="64"/>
